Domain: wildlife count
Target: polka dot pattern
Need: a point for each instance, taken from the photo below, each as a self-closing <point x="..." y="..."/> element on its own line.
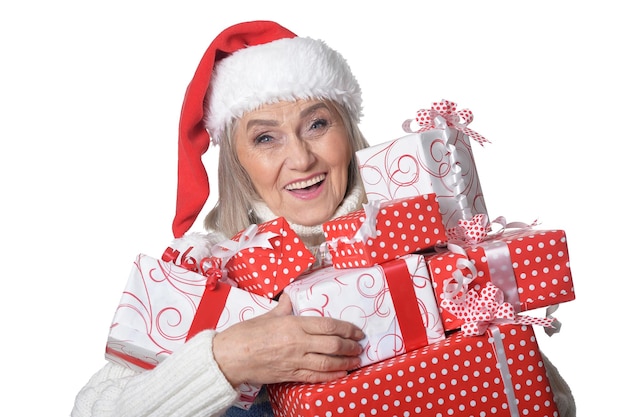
<point x="460" y="376"/>
<point x="538" y="260"/>
<point x="266" y="271"/>
<point x="403" y="226"/>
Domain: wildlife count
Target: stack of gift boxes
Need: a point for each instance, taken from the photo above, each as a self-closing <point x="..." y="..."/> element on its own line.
<point x="439" y="289"/>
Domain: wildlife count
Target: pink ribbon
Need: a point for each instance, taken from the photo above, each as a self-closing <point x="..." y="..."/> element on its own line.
<point x="457" y="119"/>
<point x="476" y="229"/>
<point x="480" y="310"/>
<point x="472" y="231"/>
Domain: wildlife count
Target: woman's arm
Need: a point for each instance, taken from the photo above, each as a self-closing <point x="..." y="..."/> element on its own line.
<point x="188" y="383"/>
<point x="273" y="347"/>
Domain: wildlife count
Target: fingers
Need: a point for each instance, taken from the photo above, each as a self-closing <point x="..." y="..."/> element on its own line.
<point x="278" y="346"/>
<point x="329" y="326"/>
<point x="322" y="368"/>
<point x="284" y="307"/>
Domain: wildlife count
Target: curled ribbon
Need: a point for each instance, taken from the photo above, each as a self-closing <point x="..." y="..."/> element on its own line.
<point x="471" y="231"/>
<point x="250" y="238"/>
<point x="211" y="268"/>
<point x="186" y="261"/>
<point x="368" y="228"/>
<point x="476" y="230"/>
<point x="457" y="119"/>
<point x="455" y="288"/>
<point x="480" y="310"/>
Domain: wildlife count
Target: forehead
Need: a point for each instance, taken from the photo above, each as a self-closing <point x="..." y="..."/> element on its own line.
<point x="286" y="109"/>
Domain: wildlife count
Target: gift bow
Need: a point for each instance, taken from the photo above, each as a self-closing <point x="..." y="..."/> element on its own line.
<point x="457" y="119"/>
<point x="480" y="310"/>
<point x="476" y="229"/>
<point x="455" y="288"/>
<point x="472" y="231"/>
<point x="367" y="229"/>
<point x="250" y="238"/>
<point x="211" y="268"/>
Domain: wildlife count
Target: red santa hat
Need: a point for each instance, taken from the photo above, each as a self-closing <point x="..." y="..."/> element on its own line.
<point x="248" y="65"/>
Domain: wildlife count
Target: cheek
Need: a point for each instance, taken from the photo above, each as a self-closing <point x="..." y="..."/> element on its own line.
<point x="341" y="156"/>
<point x="262" y="171"/>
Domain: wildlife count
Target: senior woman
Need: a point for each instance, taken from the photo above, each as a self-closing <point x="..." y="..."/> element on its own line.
<point x="285" y="112"/>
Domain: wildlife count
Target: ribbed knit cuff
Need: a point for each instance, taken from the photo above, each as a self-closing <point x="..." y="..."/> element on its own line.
<point x="188" y="383"/>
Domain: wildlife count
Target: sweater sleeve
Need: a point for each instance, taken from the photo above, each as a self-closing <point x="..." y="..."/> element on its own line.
<point x="188" y="383"/>
<point x="562" y="393"/>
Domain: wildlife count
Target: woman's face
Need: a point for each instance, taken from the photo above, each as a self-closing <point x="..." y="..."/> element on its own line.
<point x="297" y="156"/>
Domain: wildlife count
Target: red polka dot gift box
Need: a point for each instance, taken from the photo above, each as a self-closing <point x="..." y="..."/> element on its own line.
<point x="434" y="158"/>
<point x="164" y="304"/>
<point x="393" y="303"/>
<point x="531" y="269"/>
<point x="264" y="258"/>
<point x="384" y="230"/>
<point x="500" y="373"/>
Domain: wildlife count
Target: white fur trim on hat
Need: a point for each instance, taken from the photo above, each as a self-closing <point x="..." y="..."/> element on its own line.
<point x="283" y="70"/>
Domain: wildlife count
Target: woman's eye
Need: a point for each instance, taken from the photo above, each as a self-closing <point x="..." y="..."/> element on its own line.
<point x="262" y="139"/>
<point x="319" y="124"/>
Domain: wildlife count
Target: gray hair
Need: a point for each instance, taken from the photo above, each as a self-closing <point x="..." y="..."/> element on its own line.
<point x="233" y="210"/>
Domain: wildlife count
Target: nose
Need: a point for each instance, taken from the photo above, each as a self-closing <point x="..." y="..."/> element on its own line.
<point x="299" y="154"/>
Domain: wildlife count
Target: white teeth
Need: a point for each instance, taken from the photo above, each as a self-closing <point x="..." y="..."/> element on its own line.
<point x="303" y="184"/>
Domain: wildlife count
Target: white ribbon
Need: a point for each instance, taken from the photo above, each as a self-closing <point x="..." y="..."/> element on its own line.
<point x="556" y="324"/>
<point x="454" y="181"/>
<point x="249" y="239"/>
<point x="459" y="283"/>
<point x="367" y="229"/>
<point x="504" y="370"/>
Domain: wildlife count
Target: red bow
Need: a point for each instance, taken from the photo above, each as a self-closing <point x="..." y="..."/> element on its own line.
<point x="211" y="268"/>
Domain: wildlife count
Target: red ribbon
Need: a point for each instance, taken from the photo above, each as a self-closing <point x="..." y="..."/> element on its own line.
<point x="457" y="119"/>
<point x="211" y="268"/>
<point x="406" y="304"/>
<point x="128" y="358"/>
<point x="188" y="262"/>
<point x="210" y="308"/>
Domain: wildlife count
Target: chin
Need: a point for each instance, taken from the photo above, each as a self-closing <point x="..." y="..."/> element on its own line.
<point x="311" y="220"/>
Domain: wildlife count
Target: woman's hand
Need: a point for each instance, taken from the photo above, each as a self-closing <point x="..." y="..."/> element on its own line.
<point x="278" y="347"/>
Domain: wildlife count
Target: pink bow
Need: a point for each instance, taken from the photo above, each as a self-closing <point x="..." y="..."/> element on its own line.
<point x="472" y="231"/>
<point x="476" y="229"/>
<point x="457" y="119"/>
<point x="480" y="310"/>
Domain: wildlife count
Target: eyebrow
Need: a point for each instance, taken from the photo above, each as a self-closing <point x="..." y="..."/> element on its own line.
<point x="304" y="113"/>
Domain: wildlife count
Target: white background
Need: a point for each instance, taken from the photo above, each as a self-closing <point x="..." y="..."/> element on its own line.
<point x="90" y="94"/>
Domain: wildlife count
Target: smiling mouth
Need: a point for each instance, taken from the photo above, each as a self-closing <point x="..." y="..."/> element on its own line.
<point x="306" y="185"/>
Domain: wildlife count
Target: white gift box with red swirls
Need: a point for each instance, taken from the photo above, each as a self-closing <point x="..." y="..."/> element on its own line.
<point x="393" y="303"/>
<point x="157" y="312"/>
<point x="436" y="159"/>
